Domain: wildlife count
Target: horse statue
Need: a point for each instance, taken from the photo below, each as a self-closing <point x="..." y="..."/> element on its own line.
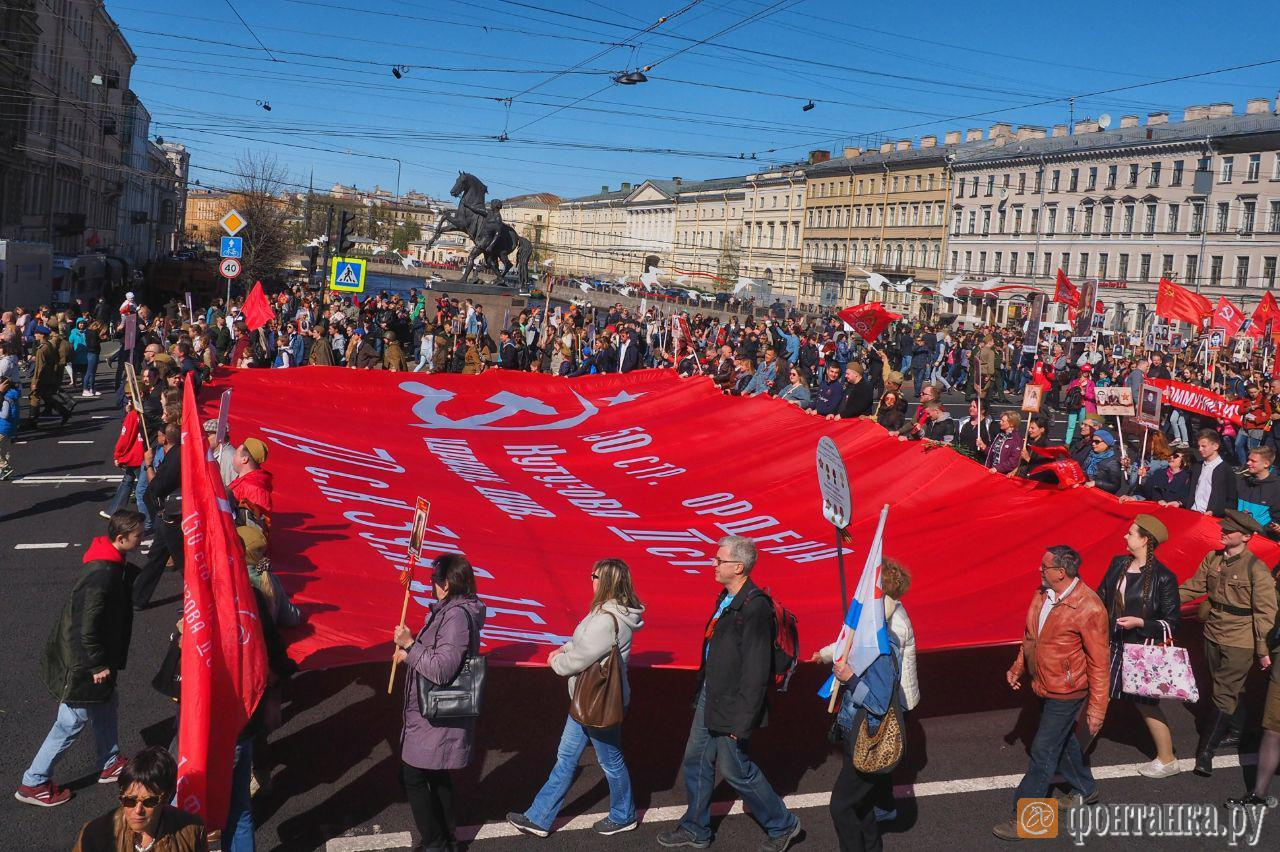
<point x="469" y="219"/>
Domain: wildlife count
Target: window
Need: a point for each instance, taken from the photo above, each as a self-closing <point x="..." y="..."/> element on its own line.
<point x="1171" y="225"/>
<point x="1054" y="180"/>
<point x="1153" y="175"/>
<point x="1133" y="174"/>
<point x="1242" y="271"/>
<point x="1149" y="226"/>
<point x="955" y="228"/>
<point x="1017" y="221"/>
<point x="1088" y="221"/>
<point x="1102" y="265"/>
<point x="1071" y="220"/>
<point x="1248" y="212"/>
<point x="991" y="185"/>
<point x="1124" y="267"/>
<point x="1269" y="272"/>
<point x="1035" y="221"/>
<point x="1175" y="179"/>
<point x="1051" y="221"/>
<point x="1224" y="175"/>
<point x="1193" y="269"/>
<point x="1275" y="168"/>
<point x="1093" y="179"/>
<point x="1084" y="263"/>
<point x="1215" y="270"/>
<point x="1004" y="181"/>
<point x="1255" y="166"/>
<point x="973" y="221"/>
<point x="999" y="262"/>
<point x="1022" y="182"/>
<point x="1166" y="266"/>
<point x="1144" y="267"/>
<point x="982" y="261"/>
<point x="1013" y="263"/>
<point x="955" y="259"/>
<point x="1000" y="217"/>
<point x="986" y="221"/>
<point x="1065" y="265"/>
<point x="1127" y="226"/>
<point x="1111" y="176"/>
<point x="1275" y="217"/>
<point x="1224" y="213"/>
<point x="1108" y="213"/>
<point x="1031" y="264"/>
<point x="1045" y="262"/>
<point x="1040" y="178"/>
<point x="973" y="187"/>
<point x="1073" y="185"/>
<point x="1197" y="217"/>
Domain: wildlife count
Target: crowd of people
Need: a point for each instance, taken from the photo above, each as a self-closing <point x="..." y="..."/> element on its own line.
<point x="1074" y="638"/>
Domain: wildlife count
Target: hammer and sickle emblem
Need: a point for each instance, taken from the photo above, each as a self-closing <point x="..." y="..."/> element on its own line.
<point x="506" y="404"/>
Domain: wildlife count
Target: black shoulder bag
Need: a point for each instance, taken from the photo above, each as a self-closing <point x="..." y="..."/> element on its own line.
<point x="462" y="696"/>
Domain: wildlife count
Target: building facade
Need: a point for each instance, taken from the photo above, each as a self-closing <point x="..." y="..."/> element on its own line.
<point x="708" y="230"/>
<point x="205" y="208"/>
<point x="74" y="148"/>
<point x="587" y="234"/>
<point x="531" y="216"/>
<point x="1196" y="201"/>
<point x="771" y="245"/>
<point x="19" y="35"/>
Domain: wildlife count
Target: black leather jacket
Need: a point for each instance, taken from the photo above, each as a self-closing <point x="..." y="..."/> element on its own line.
<point x="1161" y="602"/>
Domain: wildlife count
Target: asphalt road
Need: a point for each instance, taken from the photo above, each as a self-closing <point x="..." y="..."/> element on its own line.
<point x="334" y="776"/>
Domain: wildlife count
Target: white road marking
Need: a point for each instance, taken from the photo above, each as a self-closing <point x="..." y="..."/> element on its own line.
<point x="75" y="442"/>
<point x="99" y="416"/>
<point x="51" y="545"/>
<point x="67" y="479"/>
<point x="798" y="801"/>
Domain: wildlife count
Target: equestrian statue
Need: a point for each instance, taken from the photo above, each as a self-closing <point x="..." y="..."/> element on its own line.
<point x="492" y="239"/>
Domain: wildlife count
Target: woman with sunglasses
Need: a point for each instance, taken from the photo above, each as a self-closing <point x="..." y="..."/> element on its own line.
<point x="145" y="820"/>
<point x="614" y="616"/>
<point x="1102" y="465"/>
<point x="796" y="390"/>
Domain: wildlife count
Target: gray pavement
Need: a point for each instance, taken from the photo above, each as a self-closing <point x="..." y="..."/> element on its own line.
<point x="334" y="773"/>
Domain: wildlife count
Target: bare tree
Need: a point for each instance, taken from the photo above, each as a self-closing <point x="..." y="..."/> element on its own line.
<point x="262" y="199"/>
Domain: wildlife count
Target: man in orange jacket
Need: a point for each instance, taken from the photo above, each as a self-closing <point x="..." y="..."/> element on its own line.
<point x="1066" y="652"/>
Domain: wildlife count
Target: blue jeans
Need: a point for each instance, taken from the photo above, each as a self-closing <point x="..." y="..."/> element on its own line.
<point x="238" y="833"/>
<point x="91" y="371"/>
<point x="1178" y="425"/>
<point x="702" y="754"/>
<point x="607" y="743"/>
<point x="66" y="730"/>
<point x="127" y="488"/>
<point x="138" y="493"/>
<point x="1055" y="749"/>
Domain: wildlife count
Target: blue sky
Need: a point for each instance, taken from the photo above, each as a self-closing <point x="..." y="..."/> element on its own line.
<point x="729" y="80"/>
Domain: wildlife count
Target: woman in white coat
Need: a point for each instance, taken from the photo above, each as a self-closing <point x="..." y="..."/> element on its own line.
<point x="615" y="614"/>
<point x="895" y="580"/>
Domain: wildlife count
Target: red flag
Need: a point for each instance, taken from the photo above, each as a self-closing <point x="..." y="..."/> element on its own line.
<point x="224" y="659"/>
<point x="1267" y="310"/>
<point x="868" y="321"/>
<point x="1066" y="292"/>
<point x="1179" y="303"/>
<point x="257" y="310"/>
<point x="1227" y="316"/>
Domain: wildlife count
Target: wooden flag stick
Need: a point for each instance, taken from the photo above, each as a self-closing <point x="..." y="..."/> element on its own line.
<point x="414" y="549"/>
<point x="135" y="395"/>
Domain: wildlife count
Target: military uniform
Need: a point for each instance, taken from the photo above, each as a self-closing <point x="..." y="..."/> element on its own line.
<point x="1240" y="613"/>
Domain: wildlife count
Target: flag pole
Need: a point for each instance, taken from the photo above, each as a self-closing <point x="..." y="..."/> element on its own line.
<point x="414" y="550"/>
<point x="844" y="652"/>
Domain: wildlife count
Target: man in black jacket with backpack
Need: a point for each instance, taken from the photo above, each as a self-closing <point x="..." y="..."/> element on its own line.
<point x="732" y="701"/>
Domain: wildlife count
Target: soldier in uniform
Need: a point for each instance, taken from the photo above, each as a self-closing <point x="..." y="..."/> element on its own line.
<point x="1241" y="611"/>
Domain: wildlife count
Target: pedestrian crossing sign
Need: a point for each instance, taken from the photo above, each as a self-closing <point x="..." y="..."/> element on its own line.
<point x="347" y="275"/>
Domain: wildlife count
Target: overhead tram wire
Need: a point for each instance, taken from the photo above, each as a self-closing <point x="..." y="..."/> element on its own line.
<point x="250" y="29"/>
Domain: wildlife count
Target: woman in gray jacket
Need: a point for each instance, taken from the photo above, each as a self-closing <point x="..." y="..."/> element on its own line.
<point x="614" y="616"/>
<point x="430" y="749"/>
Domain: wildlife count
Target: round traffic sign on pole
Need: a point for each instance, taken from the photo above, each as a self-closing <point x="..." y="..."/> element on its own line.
<point x="230" y="267"/>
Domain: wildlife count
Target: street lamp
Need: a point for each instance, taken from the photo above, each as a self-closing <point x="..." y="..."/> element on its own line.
<point x="399" y="71"/>
<point x="630" y="78"/>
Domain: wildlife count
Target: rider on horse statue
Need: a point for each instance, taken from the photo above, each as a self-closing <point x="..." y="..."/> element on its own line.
<point x="493" y="225"/>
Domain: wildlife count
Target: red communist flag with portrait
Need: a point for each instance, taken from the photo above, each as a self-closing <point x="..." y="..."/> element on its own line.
<point x="1178" y="303"/>
<point x="1064" y="291"/>
<point x="1267" y="311"/>
<point x="868" y="321"/>
<point x="224" y="659"/>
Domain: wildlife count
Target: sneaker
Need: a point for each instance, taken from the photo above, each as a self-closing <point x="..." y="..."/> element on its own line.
<point x="607" y="827"/>
<point x="43" y="795"/>
<point x="87" y="395"/>
<point x="1007" y="830"/>
<point x="780" y="842"/>
<point x="65" y="418"/>
<point x="102" y="513"/>
<point x="6" y="473"/>
<point x="96" y="393"/>
<point x="525" y="825"/>
<point x="677" y="837"/>
<point x="111" y="773"/>
<point x="1075" y="799"/>
<point x="1156" y="769"/>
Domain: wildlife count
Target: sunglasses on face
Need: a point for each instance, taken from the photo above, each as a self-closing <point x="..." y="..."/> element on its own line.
<point x="148" y="802"/>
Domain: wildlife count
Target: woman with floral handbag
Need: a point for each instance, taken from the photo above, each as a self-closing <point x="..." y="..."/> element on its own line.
<point x="595" y="662"/>
<point x="1141" y="597"/>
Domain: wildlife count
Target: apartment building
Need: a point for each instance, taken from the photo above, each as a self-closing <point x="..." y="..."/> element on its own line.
<point x="708" y="229"/>
<point x="772" y="222"/>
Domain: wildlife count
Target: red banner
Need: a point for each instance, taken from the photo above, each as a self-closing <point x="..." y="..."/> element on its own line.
<point x="536" y="477"/>
<point x="869" y="320"/>
<point x="1198" y="399"/>
<point x="224" y="661"/>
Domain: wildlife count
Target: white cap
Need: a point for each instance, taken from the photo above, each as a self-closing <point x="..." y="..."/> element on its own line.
<point x="128" y="296"/>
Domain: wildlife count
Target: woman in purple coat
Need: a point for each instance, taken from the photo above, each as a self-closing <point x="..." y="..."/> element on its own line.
<point x="430" y="749"/>
<point x="1006" y="447"/>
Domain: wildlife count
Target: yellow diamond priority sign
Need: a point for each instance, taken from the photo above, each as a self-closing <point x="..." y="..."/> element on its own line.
<point x="233" y="223"/>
